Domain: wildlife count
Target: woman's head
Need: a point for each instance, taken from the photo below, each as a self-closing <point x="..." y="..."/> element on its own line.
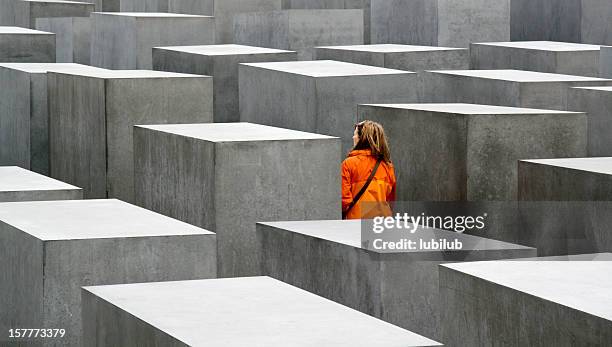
<point x="371" y="135"/>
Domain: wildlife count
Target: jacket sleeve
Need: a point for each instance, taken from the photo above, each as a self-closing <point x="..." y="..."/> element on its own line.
<point x="347" y="194"/>
<point x="391" y="196"/>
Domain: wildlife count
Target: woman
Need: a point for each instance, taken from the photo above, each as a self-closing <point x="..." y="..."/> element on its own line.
<point x="368" y="179"/>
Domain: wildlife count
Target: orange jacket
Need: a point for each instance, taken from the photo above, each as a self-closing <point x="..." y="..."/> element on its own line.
<point x="355" y="172"/>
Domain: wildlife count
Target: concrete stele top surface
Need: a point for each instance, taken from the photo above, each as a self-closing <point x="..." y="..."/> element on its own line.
<point x="327" y="68"/>
<point x="470" y="109"/>
<point x="601" y="165"/>
<point x="581" y="285"/>
<point x="392" y="48"/>
<point x="348" y="232"/>
<point x="601" y="89"/>
<point x="151" y="15"/>
<point x="127" y="74"/>
<point x="228" y="49"/>
<point x="18" y="30"/>
<point x="46" y="67"/>
<point x="520" y="76"/>
<point x="234" y="132"/>
<point x="16" y="179"/>
<point x="251" y="311"/>
<point x="59" y="2"/>
<point x="90" y="219"/>
<point x="554" y="46"/>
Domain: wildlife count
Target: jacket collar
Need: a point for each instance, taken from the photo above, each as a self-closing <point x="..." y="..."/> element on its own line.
<point x="358" y="152"/>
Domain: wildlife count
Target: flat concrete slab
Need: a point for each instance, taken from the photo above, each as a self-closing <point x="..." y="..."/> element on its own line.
<point x="220" y="62"/>
<point x="17" y="184"/>
<point x="245" y="173"/>
<point x="124" y="40"/>
<point x="440" y="22"/>
<point x="96" y="151"/>
<point x="401" y="57"/>
<point x="72" y="36"/>
<point x="597" y="103"/>
<point x="24" y="115"/>
<point x="299" y="30"/>
<point x="26" y="45"/>
<point x="318" y="96"/>
<point x="53" y="248"/>
<point x="460" y="152"/>
<point x="224" y="12"/>
<point x="248" y="311"/>
<point x="400" y="288"/>
<point x="605" y="62"/>
<point x="551" y="302"/>
<point x="505" y="87"/>
<point x="24" y="13"/>
<point x="566" y="21"/>
<point x="543" y="56"/>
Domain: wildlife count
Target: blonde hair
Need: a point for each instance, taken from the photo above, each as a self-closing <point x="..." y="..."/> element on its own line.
<point x="372" y="137"/>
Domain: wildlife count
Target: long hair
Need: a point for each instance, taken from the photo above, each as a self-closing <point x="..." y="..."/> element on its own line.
<point x="372" y="137"/>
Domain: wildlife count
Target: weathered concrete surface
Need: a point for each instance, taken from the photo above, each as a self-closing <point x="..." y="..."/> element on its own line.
<point x="440" y="22"/>
<point x="224" y="12"/>
<point x="469" y="151"/>
<point x="23" y="13"/>
<point x="328" y="259"/>
<point x="248" y="311"/>
<point x="543" y="56"/>
<point x="585" y="21"/>
<point x="335" y="4"/>
<point x="24" y="116"/>
<point x="571" y="179"/>
<point x="597" y="103"/>
<point x="125" y="40"/>
<point x="26" y="45"/>
<point x="92" y="115"/>
<point x="299" y="30"/>
<point x="17" y="184"/>
<point x="220" y="62"/>
<point x="400" y="57"/>
<point x="582" y="223"/>
<point x="244" y="173"/>
<point x="318" y="96"/>
<point x="605" y="62"/>
<point x="552" y="302"/>
<point x="515" y="88"/>
<point x="72" y="37"/>
<point x="48" y="250"/>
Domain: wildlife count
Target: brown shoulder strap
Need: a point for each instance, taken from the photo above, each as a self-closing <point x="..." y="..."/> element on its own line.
<point x="363" y="189"/>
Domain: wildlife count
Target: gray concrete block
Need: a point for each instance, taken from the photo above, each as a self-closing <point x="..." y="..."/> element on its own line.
<point x="26" y="45"/>
<point x="48" y="250"/>
<point x="560" y="301"/>
<point x="597" y="103"/>
<point x="220" y="62"/>
<point x="569" y="179"/>
<point x="23" y="13"/>
<point x="585" y="21"/>
<point x="318" y="96"/>
<point x="335" y="4"/>
<point x="605" y="62"/>
<point x="459" y="152"/>
<point x="400" y="288"/>
<point x="224" y="12"/>
<point x="24" y="115"/>
<point x="248" y="311"/>
<point x="299" y="30"/>
<point x="125" y="40"/>
<point x="17" y="184"/>
<point x="72" y="37"/>
<point x="92" y="115"/>
<point x="543" y="56"/>
<point x="515" y="88"/>
<point x="440" y="22"/>
<point x="244" y="173"/>
<point x="400" y="57"/>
